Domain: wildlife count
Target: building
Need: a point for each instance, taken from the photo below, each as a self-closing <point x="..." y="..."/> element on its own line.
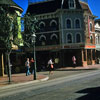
<point x="66" y="29"/>
<point x="97" y="39"/>
<point x="13" y="9"/>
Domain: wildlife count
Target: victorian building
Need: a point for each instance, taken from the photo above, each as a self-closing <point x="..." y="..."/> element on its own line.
<point x="66" y="30"/>
<point x="97" y="39"/>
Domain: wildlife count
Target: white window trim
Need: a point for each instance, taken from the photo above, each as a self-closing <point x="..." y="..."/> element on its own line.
<point x="69" y="4"/>
<point x="42" y="36"/>
<point x="75" y="23"/>
<point x="53" y="35"/>
<point x="53" y="21"/>
<point x="67" y="36"/>
<point x="80" y="37"/>
<point x="42" y="23"/>
<point x="66" y="22"/>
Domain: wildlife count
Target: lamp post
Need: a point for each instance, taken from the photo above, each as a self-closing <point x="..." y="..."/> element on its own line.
<point x="33" y="38"/>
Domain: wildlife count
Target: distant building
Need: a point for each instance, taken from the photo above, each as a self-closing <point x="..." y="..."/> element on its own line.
<point x="66" y="29"/>
<point x="97" y="39"/>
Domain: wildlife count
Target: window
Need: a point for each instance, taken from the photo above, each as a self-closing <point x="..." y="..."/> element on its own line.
<point x="42" y="39"/>
<point x="41" y="26"/>
<point x="90" y="26"/>
<point x="77" y="23"/>
<point x="54" y="39"/>
<point x="91" y="39"/>
<point x="68" y="23"/>
<point x="71" y="4"/>
<point x="69" y="38"/>
<point x="53" y="24"/>
<point x="78" y="38"/>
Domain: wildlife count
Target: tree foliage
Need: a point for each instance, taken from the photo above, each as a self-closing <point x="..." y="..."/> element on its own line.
<point x="30" y="26"/>
<point x="8" y="28"/>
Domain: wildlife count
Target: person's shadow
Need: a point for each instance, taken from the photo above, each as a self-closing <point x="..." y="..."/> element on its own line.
<point x="91" y="94"/>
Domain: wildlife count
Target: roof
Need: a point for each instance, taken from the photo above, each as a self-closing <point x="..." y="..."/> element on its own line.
<point x="85" y="6"/>
<point x="11" y="3"/>
<point x="48" y="6"/>
<point x="44" y="7"/>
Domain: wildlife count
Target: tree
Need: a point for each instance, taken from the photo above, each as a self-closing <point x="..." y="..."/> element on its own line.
<point x="8" y="33"/>
<point x="30" y="27"/>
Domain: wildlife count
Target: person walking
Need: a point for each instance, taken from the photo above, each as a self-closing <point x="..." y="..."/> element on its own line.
<point x="74" y="61"/>
<point x="50" y="66"/>
<point x="32" y="65"/>
<point x="27" y="65"/>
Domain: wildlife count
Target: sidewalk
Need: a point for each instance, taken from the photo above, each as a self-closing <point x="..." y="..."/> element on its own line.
<point x="22" y="78"/>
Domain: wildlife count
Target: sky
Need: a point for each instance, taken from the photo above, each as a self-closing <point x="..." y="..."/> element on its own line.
<point x="93" y="4"/>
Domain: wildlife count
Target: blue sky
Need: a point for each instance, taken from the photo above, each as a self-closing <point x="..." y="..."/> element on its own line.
<point x="93" y="4"/>
<point x="95" y="7"/>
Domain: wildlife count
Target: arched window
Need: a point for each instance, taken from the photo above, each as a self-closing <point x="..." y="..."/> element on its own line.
<point x="53" y="25"/>
<point x="54" y="39"/>
<point x="71" y="4"/>
<point x="41" y="26"/>
<point x="69" y="38"/>
<point x="68" y="23"/>
<point x="77" y="23"/>
<point x="91" y="39"/>
<point x="42" y="39"/>
<point x="78" y="38"/>
<point x="90" y="26"/>
<point x="96" y="40"/>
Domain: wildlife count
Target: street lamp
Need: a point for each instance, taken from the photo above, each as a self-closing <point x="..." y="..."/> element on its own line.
<point x="33" y="39"/>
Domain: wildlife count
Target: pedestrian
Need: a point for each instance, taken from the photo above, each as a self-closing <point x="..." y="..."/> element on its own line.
<point x="50" y="66"/>
<point x="27" y="65"/>
<point x="32" y="65"/>
<point x="74" y="61"/>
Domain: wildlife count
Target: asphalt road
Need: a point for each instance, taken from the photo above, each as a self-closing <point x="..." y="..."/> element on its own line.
<point x="79" y="86"/>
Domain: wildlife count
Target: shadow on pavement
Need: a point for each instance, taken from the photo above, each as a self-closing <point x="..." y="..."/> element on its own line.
<point x="91" y="94"/>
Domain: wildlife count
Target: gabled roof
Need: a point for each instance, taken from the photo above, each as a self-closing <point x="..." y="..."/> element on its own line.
<point x="11" y="3"/>
<point x="85" y="6"/>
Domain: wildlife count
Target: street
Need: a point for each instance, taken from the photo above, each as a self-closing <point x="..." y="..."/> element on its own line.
<point x="79" y="86"/>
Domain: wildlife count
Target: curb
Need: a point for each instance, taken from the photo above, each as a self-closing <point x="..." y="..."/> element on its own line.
<point x="22" y="84"/>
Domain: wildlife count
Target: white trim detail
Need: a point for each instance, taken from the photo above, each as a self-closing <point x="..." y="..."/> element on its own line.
<point x="76" y="37"/>
<point x="72" y="4"/>
<point x="53" y="35"/>
<point x="75" y="23"/>
<point x="67" y="37"/>
<point x="53" y="21"/>
<point x="42" y="23"/>
<point x="66" y="22"/>
<point x="42" y="36"/>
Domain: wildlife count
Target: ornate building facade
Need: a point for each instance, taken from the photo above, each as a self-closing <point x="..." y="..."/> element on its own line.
<point x="66" y="29"/>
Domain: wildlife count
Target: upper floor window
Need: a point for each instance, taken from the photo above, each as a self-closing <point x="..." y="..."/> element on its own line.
<point x="42" y="26"/>
<point x="71" y="4"/>
<point x="69" y="38"/>
<point x="90" y="26"/>
<point x="53" y="24"/>
<point x="68" y="23"/>
<point x="77" y="23"/>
